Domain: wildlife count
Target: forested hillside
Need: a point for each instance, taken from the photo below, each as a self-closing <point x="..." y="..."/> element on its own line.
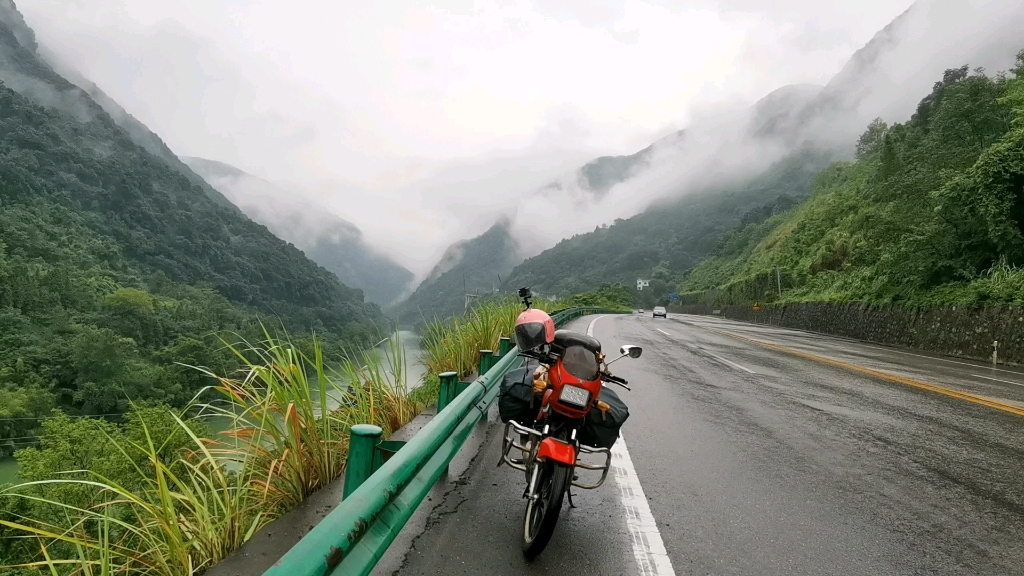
<point x="931" y="212"/>
<point x="327" y="239"/>
<point x="472" y="266"/>
<point x="667" y="238"/>
<point x="114" y="265"/>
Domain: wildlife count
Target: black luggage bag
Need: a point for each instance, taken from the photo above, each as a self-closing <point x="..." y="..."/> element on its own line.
<point x="601" y="429"/>
<point x="515" y="397"/>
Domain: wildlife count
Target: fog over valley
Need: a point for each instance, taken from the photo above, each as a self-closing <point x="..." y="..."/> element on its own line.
<point x="407" y="102"/>
<point x="408" y="128"/>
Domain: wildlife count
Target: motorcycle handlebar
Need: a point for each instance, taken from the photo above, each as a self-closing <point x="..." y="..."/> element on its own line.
<point x="616" y="380"/>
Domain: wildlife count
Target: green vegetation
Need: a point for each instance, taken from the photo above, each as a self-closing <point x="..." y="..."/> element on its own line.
<point x="453" y="344"/>
<point x="116" y="268"/>
<point x="156" y="496"/>
<point x="613" y="296"/>
<point x="930" y="213"/>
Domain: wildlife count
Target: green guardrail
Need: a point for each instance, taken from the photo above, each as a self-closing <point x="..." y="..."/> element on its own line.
<point x="382" y="492"/>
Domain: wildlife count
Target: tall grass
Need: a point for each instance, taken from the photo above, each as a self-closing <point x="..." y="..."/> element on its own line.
<point x="182" y="516"/>
<point x="453" y="344"/>
<point x="290" y="415"/>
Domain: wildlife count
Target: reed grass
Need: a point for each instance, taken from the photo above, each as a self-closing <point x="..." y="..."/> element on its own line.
<point x="453" y="344"/>
<point x="290" y="414"/>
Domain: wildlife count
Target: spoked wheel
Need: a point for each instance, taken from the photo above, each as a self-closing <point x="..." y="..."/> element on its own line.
<point x="542" y="512"/>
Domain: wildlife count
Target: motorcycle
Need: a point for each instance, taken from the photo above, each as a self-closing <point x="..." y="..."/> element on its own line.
<point x="569" y="385"/>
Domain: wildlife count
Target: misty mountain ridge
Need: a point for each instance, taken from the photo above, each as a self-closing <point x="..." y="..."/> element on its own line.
<point x="327" y="239"/>
<point x="63" y="154"/>
<point x="737" y="155"/>
<point x="885" y="77"/>
<point x="38" y="74"/>
<point x="476" y="267"/>
<point x="600" y="174"/>
<point x="929" y="215"/>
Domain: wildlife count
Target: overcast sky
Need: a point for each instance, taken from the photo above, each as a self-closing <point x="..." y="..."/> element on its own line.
<point x="362" y="91"/>
<point x="349" y="97"/>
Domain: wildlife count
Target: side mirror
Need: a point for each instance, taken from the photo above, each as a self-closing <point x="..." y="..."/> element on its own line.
<point x="631" y="351"/>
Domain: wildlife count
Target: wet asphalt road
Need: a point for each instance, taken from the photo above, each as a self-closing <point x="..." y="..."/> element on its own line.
<point x="757" y="460"/>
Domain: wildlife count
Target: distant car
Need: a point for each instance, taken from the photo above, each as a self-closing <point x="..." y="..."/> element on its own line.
<point x="640" y="311"/>
<point x="659" y="311"/>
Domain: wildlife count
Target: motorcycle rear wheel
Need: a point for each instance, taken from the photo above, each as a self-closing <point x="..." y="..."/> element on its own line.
<point x="542" y="514"/>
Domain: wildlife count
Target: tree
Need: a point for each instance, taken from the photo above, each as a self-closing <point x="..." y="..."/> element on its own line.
<point x="870" y="142"/>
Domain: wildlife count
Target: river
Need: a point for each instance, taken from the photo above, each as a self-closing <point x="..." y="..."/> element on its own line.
<point x="414" y="370"/>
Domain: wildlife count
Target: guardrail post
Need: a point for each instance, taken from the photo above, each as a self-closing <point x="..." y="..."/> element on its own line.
<point x="485" y="361"/>
<point x="446" y="393"/>
<point x="362" y="449"/>
<point x="504" y="346"/>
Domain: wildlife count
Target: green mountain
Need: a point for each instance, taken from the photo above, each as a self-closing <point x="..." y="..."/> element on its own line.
<point x="667" y="237"/>
<point x="813" y="125"/>
<point x="931" y="212"/>
<point x="115" y="263"/>
<point x="327" y="239"/>
<point x="475" y="267"/>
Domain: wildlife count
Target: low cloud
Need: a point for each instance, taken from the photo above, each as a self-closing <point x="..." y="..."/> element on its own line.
<point x="423" y="124"/>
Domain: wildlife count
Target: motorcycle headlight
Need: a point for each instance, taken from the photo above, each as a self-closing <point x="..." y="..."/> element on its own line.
<point x="574" y="395"/>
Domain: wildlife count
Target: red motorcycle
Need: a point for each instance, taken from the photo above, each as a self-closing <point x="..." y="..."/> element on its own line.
<point x="565" y="417"/>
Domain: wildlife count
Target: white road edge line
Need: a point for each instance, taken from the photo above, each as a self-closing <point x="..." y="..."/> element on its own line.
<point x="997" y="379"/>
<point x="648" y="548"/>
<point x="662" y="331"/>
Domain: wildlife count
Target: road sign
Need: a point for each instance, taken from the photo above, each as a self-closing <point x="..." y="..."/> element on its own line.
<point x="673" y="296"/>
<point x="641" y="283"/>
<point x="756" y="307"/>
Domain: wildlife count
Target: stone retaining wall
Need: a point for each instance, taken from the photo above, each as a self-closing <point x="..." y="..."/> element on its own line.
<point x="954" y="331"/>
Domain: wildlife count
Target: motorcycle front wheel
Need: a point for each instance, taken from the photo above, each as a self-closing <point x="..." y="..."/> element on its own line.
<point x="542" y="512"/>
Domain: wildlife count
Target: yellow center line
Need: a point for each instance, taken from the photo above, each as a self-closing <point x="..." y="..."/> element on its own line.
<point x="937" y="388"/>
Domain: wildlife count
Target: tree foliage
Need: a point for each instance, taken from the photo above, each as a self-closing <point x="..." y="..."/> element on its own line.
<point x="116" y="268"/>
<point x="932" y="211"/>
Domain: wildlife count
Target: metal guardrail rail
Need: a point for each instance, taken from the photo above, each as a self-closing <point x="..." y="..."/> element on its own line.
<point x="353" y="537"/>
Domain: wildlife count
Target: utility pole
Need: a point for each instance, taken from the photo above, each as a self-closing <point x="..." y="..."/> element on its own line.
<point x="778" y="280"/>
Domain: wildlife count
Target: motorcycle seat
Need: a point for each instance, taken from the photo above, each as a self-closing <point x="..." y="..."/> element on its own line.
<point x="567" y="338"/>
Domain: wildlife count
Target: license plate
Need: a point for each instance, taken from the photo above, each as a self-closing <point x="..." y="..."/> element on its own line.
<point x="574" y="395"/>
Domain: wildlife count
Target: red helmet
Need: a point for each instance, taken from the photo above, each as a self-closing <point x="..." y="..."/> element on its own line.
<point x="534" y="328"/>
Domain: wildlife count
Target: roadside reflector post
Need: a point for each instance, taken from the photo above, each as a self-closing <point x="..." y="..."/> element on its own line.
<point x="995" y="352"/>
<point x="504" y="346"/>
<point x="485" y="361"/>
<point x="446" y="392"/>
<point x="362" y="447"/>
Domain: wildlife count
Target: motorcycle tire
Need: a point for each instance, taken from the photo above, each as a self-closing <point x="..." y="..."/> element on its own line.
<point x="542" y="515"/>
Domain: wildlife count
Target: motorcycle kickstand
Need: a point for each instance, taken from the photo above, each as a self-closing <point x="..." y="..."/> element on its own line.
<point x="569" y="492"/>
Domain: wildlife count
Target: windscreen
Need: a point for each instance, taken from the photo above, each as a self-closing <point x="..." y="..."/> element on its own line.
<point x="580" y="362"/>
